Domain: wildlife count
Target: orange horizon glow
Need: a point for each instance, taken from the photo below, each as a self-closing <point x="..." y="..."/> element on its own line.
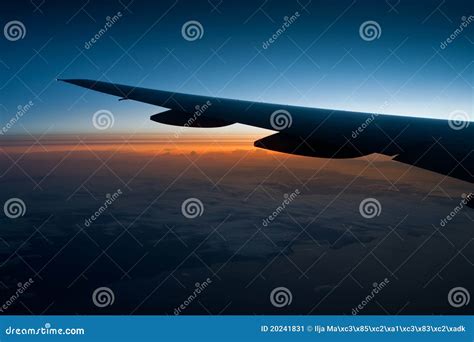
<point x="140" y="143"/>
<point x="226" y="153"/>
<point x="149" y="144"/>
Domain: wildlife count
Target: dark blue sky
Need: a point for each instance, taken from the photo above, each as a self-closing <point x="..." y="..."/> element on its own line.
<point x="320" y="60"/>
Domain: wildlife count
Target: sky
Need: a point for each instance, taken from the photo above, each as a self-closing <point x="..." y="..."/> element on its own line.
<point x="320" y="60"/>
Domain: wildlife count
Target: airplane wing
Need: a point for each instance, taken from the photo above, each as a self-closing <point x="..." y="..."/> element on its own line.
<point x="437" y="145"/>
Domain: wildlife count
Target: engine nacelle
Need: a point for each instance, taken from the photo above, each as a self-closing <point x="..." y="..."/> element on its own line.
<point x="281" y="142"/>
<point x="196" y="119"/>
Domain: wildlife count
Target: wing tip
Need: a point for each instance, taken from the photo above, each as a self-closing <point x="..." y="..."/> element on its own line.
<point x="72" y="80"/>
<point x="81" y="82"/>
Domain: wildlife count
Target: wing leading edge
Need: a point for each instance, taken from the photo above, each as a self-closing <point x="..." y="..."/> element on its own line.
<point x="425" y="143"/>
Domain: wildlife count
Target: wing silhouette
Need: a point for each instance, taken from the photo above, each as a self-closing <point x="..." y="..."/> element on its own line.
<point x="431" y="144"/>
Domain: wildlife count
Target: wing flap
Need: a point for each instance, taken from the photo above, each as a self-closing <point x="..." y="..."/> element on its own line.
<point x="440" y="159"/>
